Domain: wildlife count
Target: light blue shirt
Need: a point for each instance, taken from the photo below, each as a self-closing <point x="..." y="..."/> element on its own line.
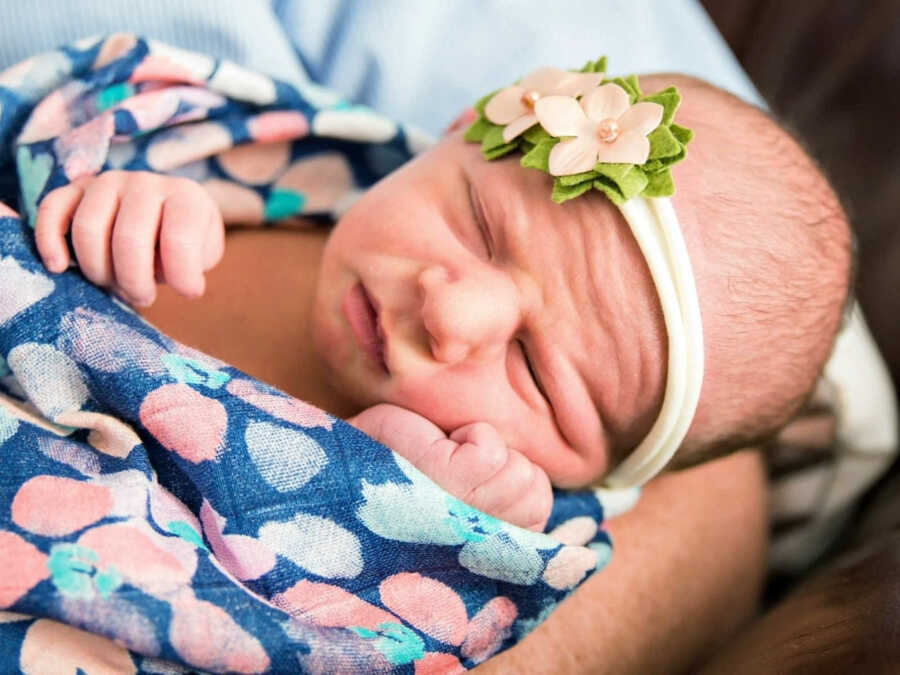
<point x="419" y="62"/>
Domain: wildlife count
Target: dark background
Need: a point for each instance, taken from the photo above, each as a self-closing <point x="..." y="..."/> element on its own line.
<point x="830" y="70"/>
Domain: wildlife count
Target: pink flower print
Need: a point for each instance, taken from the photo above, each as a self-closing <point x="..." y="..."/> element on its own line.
<point x="243" y="556"/>
<point x="238" y="203"/>
<point x="256" y="163"/>
<point x="288" y="409"/>
<point x="153" y="109"/>
<point x="114" y="47"/>
<point x="55" y="506"/>
<point x="439" y="663"/>
<point x="606" y="129"/>
<point x="569" y="566"/>
<point x="25" y="566"/>
<point x="514" y="106"/>
<point x="83" y="150"/>
<point x="185" y="422"/>
<point x="427" y="604"/>
<point x="277" y="125"/>
<point x="577" y="531"/>
<point x="49" y="119"/>
<point x="205" y="636"/>
<point x="328" y="605"/>
<point x="489" y="628"/>
<point x="156" y="67"/>
<point x="155" y="563"/>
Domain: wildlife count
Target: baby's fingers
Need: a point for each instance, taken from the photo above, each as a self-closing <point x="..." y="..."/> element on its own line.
<point x="53" y="219"/>
<point x="134" y="246"/>
<point x="182" y="243"/>
<point x="92" y="226"/>
<point x="519" y="493"/>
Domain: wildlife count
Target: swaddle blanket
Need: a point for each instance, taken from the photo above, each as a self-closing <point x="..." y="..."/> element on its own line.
<point x="159" y="507"/>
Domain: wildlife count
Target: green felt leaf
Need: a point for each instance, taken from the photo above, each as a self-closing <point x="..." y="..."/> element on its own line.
<point x="499" y="151"/>
<point x="669" y="99"/>
<point x="576" y="178"/>
<point x="536" y="134"/>
<point x="615" y="172"/>
<point x="609" y="188"/>
<point x="674" y="159"/>
<point x="635" y="183"/>
<point x="683" y="134"/>
<point x="663" y="143"/>
<point x="598" y="66"/>
<point x="477" y="130"/>
<point x="563" y="193"/>
<point x="660" y="185"/>
<point x="632" y="94"/>
<point x="628" y="179"/>
<point x="493" y="139"/>
<point x="633" y="81"/>
<point x="539" y="156"/>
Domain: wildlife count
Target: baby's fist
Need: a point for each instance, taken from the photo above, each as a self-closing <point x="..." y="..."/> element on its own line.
<point x="473" y="464"/>
<point x="119" y="219"/>
<point x="497" y="479"/>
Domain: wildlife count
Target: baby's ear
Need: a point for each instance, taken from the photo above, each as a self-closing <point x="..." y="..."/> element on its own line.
<point x="465" y="119"/>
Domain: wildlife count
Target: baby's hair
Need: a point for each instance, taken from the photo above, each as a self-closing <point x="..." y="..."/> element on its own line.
<point x="777" y="273"/>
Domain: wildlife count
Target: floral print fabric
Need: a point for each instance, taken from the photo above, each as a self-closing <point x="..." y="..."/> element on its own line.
<point x="161" y="511"/>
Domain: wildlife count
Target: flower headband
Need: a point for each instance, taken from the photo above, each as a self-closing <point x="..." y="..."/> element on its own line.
<point x="589" y="132"/>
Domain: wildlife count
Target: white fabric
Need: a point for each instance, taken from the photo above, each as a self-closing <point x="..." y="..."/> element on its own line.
<point x="860" y="391"/>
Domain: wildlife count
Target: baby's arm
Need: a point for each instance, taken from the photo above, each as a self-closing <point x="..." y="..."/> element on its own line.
<point x="473" y="463"/>
<point x="132" y="229"/>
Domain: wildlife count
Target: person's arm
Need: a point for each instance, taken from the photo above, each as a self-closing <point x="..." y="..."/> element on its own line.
<point x="685" y="575"/>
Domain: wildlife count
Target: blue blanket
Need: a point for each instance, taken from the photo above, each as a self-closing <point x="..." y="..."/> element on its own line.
<point x="158" y="506"/>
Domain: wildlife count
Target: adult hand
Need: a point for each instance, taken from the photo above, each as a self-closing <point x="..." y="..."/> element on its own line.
<point x="686" y="573"/>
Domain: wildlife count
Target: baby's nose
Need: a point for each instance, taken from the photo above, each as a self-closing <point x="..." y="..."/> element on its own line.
<point x="467" y="314"/>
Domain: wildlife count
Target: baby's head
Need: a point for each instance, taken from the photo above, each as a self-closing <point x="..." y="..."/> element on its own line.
<point x="456" y="288"/>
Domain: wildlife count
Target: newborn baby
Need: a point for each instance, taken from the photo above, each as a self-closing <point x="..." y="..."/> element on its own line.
<point x="505" y="343"/>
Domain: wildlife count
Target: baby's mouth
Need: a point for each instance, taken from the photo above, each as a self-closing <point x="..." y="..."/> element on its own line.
<point x="361" y="311"/>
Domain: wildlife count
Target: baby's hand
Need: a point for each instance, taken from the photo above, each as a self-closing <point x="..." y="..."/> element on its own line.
<point x="473" y="464"/>
<point x="131" y="229"/>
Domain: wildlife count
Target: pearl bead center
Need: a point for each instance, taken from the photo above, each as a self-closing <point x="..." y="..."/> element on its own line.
<point x="529" y="98"/>
<point x="608" y="130"/>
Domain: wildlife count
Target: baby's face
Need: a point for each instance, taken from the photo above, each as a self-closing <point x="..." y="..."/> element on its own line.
<point x="456" y="288"/>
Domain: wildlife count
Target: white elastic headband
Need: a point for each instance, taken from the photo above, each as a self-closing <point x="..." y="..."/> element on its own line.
<point x="658" y="233"/>
<point x="585" y="129"/>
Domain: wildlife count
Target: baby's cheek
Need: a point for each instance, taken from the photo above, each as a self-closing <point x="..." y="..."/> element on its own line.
<point x="566" y="467"/>
<point x="450" y="399"/>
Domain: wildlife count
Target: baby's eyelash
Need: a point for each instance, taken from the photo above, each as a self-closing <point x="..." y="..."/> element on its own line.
<point x="480" y="222"/>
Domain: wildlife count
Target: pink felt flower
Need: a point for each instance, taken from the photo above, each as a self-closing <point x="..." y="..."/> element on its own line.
<point x="514" y="106"/>
<point x="606" y="129"/>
